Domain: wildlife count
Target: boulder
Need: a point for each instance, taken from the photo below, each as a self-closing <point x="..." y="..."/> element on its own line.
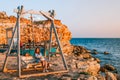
<point x="86" y="55"/>
<point x="92" y="78"/>
<point x="91" y="67"/>
<point x="94" y="52"/>
<point x="78" y="50"/>
<point x="66" y="78"/>
<point x="109" y="67"/>
<point x="106" y="52"/>
<point x="110" y="76"/>
<point x="97" y="59"/>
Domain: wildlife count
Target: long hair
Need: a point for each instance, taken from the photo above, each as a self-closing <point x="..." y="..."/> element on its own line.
<point x="36" y="50"/>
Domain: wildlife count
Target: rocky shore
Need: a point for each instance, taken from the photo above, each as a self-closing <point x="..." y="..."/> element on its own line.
<point x="82" y="65"/>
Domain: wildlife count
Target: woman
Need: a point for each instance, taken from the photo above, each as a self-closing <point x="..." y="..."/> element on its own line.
<point x="40" y="58"/>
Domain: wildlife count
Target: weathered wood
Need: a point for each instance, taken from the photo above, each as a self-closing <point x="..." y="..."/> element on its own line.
<point x="20" y="9"/>
<point x="50" y="42"/>
<point x="9" y="49"/>
<point x="15" y="70"/>
<point x="9" y="29"/>
<point x="59" y="45"/>
<point x="42" y="74"/>
<point x="45" y="14"/>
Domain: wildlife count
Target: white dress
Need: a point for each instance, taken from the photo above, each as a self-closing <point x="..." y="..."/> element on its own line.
<point x="39" y="56"/>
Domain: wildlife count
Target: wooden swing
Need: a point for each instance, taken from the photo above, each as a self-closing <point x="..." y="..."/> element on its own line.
<point x="50" y="16"/>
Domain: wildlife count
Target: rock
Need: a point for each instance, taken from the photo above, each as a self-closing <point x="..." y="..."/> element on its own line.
<point x="3" y="15"/>
<point x="100" y="77"/>
<point x="88" y="51"/>
<point x="91" y="67"/>
<point x="97" y="59"/>
<point x="118" y="76"/>
<point x="106" y="52"/>
<point x="110" y="76"/>
<point x="109" y="67"/>
<point x="94" y="52"/>
<point x="102" y="69"/>
<point x="86" y="55"/>
<point x="65" y="78"/>
<point x="78" y="50"/>
<point x="92" y="78"/>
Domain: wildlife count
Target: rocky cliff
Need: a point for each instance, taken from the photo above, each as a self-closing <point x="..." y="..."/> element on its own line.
<point x="36" y="32"/>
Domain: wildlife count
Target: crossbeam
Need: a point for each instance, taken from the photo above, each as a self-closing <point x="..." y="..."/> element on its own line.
<point x="45" y="14"/>
<point x="42" y="74"/>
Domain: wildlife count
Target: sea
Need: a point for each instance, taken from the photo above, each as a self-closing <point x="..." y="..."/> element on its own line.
<point x="111" y="45"/>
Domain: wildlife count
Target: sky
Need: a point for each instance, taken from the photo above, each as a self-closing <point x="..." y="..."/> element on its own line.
<point x="84" y="18"/>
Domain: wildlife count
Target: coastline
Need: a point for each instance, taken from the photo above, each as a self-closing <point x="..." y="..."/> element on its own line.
<point x="82" y="65"/>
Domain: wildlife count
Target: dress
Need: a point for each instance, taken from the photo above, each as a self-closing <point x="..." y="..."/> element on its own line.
<point x="39" y="57"/>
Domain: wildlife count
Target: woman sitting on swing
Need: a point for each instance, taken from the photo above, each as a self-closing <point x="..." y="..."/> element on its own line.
<point x="40" y="58"/>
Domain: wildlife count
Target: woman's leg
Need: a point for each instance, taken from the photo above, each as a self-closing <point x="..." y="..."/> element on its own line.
<point x="43" y="64"/>
<point x="46" y="66"/>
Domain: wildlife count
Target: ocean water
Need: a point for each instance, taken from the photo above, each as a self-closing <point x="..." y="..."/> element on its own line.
<point x="111" y="45"/>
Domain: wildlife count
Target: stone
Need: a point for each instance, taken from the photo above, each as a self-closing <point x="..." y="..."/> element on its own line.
<point x="86" y="55"/>
<point x="94" y="52"/>
<point x="79" y="50"/>
<point x="109" y="67"/>
<point x="97" y="59"/>
<point x="106" y="52"/>
<point x="88" y="51"/>
<point x="100" y="77"/>
<point x="102" y="69"/>
<point x="65" y="78"/>
<point x="90" y="67"/>
<point x="110" y="76"/>
<point x="92" y="78"/>
<point x="118" y="76"/>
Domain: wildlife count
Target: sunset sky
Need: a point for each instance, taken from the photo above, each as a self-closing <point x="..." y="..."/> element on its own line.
<point x="84" y="18"/>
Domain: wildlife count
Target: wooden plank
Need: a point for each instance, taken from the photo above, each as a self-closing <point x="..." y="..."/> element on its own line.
<point x="45" y="14"/>
<point x="29" y="69"/>
<point x="42" y="74"/>
<point x="9" y="29"/>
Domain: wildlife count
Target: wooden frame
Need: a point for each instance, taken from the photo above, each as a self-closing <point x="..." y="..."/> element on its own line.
<point x="49" y="16"/>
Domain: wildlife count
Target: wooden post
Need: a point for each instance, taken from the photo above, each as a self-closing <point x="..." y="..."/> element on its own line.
<point x="18" y="37"/>
<point x="59" y="45"/>
<point x="9" y="49"/>
<point x="7" y="36"/>
<point x="49" y="51"/>
<point x="45" y="48"/>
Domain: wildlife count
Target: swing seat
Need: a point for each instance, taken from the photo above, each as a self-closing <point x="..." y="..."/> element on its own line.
<point x="30" y="62"/>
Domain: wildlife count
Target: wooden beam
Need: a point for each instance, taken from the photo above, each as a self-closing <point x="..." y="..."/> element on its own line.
<point x="59" y="45"/>
<point x="50" y="40"/>
<point x="29" y="69"/>
<point x="18" y="39"/>
<point x="9" y="49"/>
<point x="9" y="29"/>
<point x="42" y="74"/>
<point x="45" y="14"/>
